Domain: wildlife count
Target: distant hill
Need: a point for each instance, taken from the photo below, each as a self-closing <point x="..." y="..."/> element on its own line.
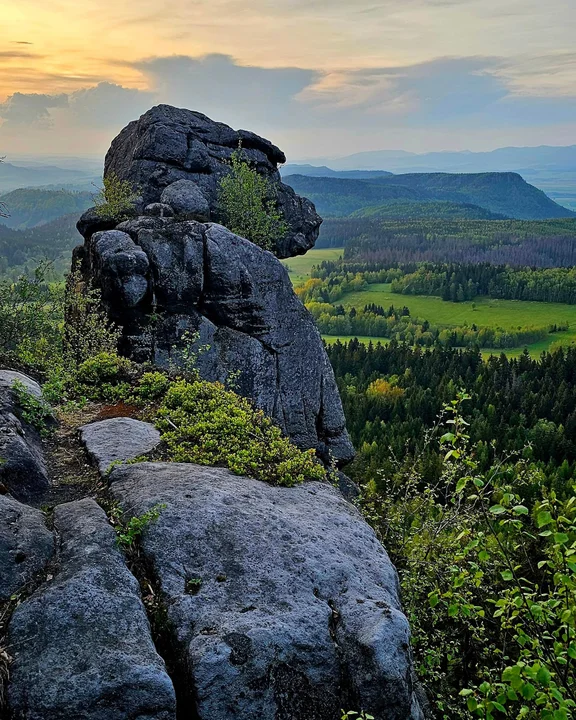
<point x="19" y="176"/>
<point x="550" y="168"/>
<point x="29" y="207"/>
<point x="504" y="194"/>
<point x="426" y="210"/>
<point x="21" y="250"/>
<point x="323" y="171"/>
<point x="503" y="159"/>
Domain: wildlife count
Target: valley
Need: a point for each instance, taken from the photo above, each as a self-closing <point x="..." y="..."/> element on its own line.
<point x="482" y="311"/>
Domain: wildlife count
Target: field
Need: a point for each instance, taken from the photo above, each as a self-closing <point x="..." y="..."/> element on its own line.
<point x="482" y="312"/>
<point x="299" y="267"/>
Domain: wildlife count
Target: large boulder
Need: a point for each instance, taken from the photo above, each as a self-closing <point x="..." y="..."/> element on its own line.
<point x="167" y="145"/>
<point x="284" y="605"/>
<point x="81" y="644"/>
<point x="22" y="467"/>
<point x="26" y="546"/>
<point x="164" y="280"/>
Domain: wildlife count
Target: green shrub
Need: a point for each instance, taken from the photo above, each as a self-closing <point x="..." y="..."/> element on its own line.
<point x="116" y="200"/>
<point x="33" y="411"/>
<point x="202" y="422"/>
<point x="152" y="386"/>
<point x="487" y="566"/>
<point x="128" y="534"/>
<point x="247" y="206"/>
<point x="31" y="314"/>
<point x="88" y="331"/>
<point x="106" y="376"/>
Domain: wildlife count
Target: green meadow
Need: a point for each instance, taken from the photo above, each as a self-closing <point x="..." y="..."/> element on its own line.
<point x="483" y="312"/>
<point x="300" y="267"/>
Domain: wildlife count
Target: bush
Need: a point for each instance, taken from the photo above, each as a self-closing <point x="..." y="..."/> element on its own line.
<point x="247" y="208"/>
<point x="31" y="314"/>
<point x="105" y="376"/>
<point x="202" y="422"/>
<point x="88" y="332"/>
<point x="116" y="200"/>
<point x="488" y="576"/>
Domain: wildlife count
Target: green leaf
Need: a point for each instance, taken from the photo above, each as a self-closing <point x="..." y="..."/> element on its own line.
<point x="466" y="692"/>
<point x="528" y="691"/>
<point x="507" y="575"/>
<point x="543" y="677"/>
<point x="543" y="518"/>
<point x="561" y="538"/>
<point x="520" y="509"/>
<point x="497" y="509"/>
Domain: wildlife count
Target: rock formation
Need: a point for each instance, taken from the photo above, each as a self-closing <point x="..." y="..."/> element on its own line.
<point x="252" y="601"/>
<point x="82" y="644"/>
<point x="167" y="145"/>
<point x="283" y="602"/>
<point x="270" y="602"/>
<point x="165" y="277"/>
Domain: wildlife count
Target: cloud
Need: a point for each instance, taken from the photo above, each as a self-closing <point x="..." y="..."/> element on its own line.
<point x="31" y="108"/>
<point x="216" y="85"/>
<point x="108" y="105"/>
<point x="309" y="111"/>
<point x="9" y="54"/>
<point x="102" y="106"/>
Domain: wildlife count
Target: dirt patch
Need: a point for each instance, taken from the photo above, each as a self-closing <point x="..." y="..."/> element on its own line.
<point x="72" y="475"/>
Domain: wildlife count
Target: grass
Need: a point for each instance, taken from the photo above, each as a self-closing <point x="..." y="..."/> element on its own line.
<point x="300" y="267"/>
<point x="485" y="313"/>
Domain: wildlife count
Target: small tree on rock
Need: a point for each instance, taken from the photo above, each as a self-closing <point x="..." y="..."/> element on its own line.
<point x="116" y="200"/>
<point x="246" y="207"/>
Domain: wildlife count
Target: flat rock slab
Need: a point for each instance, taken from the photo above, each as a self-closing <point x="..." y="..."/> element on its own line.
<point x="26" y="545"/>
<point x="118" y="440"/>
<point x="82" y="646"/>
<point x="284" y="603"/>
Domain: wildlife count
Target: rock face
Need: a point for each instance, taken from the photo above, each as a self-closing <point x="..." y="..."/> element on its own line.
<point x="164" y="279"/>
<point x="284" y="603"/>
<point x="118" y="440"/>
<point x="22" y="467"/>
<point x="26" y="545"/>
<point x="168" y="145"/>
<point x="81" y="644"/>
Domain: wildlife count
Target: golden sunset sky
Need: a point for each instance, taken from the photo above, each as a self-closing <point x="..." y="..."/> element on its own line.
<point x="317" y="76"/>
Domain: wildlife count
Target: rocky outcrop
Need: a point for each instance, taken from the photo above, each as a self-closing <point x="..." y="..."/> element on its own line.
<point x="283" y="602"/>
<point x="82" y="645"/>
<point x="118" y="440"/>
<point x="164" y="280"/>
<point x="26" y="546"/>
<point x="22" y="467"/>
<point x="168" y="145"/>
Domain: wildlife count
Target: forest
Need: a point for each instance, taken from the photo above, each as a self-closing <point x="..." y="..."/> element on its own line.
<point x="550" y="243"/>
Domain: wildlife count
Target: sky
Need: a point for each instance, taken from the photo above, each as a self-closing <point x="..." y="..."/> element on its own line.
<point x="317" y="77"/>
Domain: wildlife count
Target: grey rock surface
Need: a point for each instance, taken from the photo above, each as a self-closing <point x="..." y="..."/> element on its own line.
<point x="284" y="603"/>
<point x="22" y="466"/>
<point x="118" y="439"/>
<point x="168" y="144"/>
<point x="26" y="545"/>
<point x="186" y="198"/>
<point x="9" y="377"/>
<point x="81" y="644"/>
<point x="158" y="210"/>
<point x="195" y="278"/>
